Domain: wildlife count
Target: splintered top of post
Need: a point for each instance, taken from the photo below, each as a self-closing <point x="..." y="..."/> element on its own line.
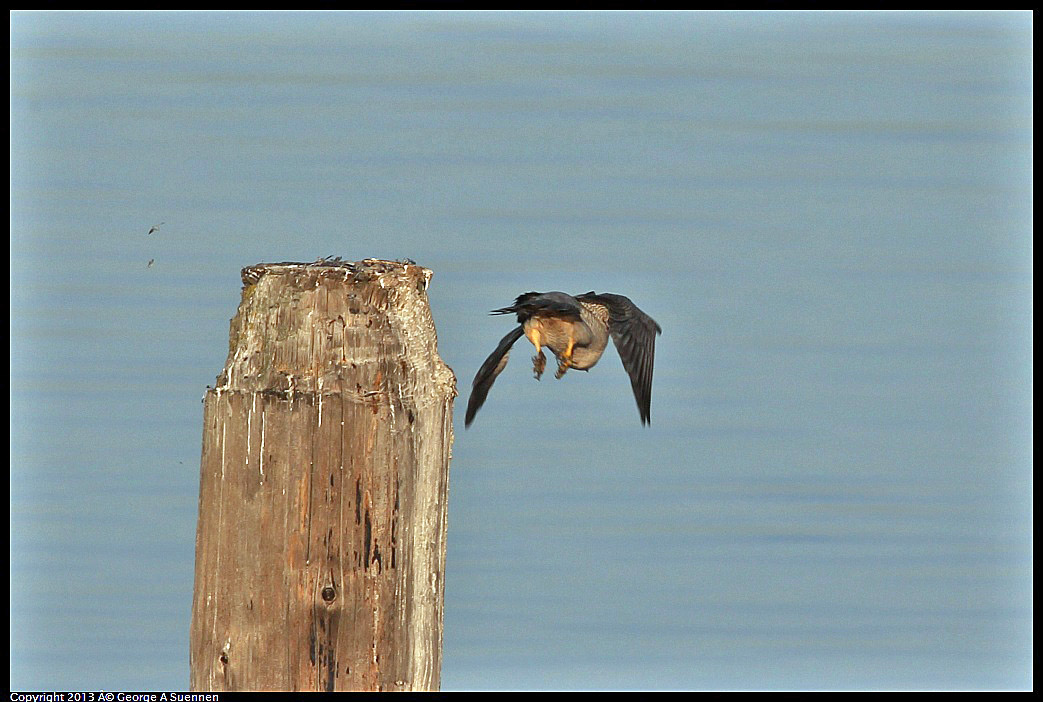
<point x="314" y="327"/>
<point x="360" y="270"/>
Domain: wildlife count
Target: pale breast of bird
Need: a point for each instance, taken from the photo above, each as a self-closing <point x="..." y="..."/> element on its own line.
<point x="589" y="337"/>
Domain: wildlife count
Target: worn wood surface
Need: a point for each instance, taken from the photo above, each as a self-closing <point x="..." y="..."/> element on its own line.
<point x="320" y="549"/>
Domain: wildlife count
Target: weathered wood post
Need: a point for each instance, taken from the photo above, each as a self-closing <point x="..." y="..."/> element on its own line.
<point x="320" y="549"/>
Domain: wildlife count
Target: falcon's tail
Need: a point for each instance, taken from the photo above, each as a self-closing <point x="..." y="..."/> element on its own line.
<point x="551" y="303"/>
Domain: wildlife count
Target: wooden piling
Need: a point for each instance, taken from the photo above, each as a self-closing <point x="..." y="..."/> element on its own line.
<point x="320" y="548"/>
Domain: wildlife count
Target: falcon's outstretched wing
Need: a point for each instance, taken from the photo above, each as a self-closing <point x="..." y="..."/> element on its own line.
<point x="486" y="375"/>
<point x="634" y="334"/>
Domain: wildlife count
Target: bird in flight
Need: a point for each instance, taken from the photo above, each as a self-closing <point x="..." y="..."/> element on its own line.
<point x="155" y="228"/>
<point x="576" y="330"/>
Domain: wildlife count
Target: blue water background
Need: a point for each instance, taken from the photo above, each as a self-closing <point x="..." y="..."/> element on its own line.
<point x="830" y="215"/>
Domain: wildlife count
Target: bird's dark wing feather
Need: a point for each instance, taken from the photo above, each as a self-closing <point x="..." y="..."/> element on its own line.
<point x="634" y="334"/>
<point x="486" y="375"/>
<point x="558" y="304"/>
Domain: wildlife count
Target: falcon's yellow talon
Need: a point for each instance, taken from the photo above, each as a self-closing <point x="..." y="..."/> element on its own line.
<point x="565" y="361"/>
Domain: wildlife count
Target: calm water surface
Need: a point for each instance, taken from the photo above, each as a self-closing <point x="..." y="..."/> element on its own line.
<point x="829" y="215"/>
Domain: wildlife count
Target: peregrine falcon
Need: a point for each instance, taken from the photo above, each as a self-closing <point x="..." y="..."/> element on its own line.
<point x="576" y="330"/>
